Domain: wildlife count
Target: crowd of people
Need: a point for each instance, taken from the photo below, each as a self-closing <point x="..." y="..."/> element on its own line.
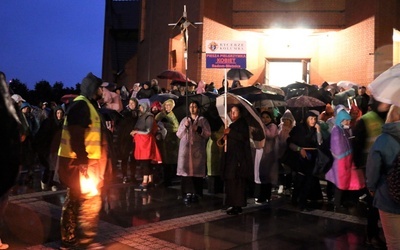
<point x="110" y="134"/>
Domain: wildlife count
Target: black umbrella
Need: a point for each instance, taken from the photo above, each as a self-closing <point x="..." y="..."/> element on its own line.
<point x="263" y="100"/>
<point x="297" y="89"/>
<point x="238" y="74"/>
<point x="245" y="90"/>
<point x="258" y="97"/>
<point x="163" y="97"/>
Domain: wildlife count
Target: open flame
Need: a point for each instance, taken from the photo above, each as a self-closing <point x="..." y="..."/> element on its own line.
<point x="88" y="186"/>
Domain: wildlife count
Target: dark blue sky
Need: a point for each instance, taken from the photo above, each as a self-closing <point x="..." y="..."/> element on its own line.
<point x="52" y="40"/>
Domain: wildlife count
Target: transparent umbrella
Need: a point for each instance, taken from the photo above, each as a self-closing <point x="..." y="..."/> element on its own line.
<point x="256" y="126"/>
<point x="386" y="87"/>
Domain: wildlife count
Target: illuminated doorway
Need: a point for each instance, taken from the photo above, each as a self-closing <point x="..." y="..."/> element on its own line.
<point x="281" y="72"/>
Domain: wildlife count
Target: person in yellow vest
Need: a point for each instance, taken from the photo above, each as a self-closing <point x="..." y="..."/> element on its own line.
<point x="83" y="154"/>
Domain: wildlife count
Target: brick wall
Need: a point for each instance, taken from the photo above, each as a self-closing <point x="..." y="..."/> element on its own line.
<point x="347" y="55"/>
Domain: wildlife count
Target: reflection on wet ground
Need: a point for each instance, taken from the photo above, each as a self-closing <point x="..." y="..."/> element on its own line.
<point x="157" y="219"/>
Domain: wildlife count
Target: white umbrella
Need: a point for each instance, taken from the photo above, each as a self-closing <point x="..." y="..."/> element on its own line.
<point x="346" y="84"/>
<point x="386" y="87"/>
<point x="250" y="114"/>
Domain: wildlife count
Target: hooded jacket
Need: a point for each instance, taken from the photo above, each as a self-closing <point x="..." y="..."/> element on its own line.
<point x="78" y="118"/>
<point x="379" y="162"/>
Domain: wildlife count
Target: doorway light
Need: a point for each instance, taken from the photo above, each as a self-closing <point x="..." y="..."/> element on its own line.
<point x="288" y="32"/>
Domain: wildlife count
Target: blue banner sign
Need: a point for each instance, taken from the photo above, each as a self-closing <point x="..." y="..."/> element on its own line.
<point x="225" y="54"/>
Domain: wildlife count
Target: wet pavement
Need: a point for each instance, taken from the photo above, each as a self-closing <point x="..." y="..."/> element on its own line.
<point x="157" y="219"/>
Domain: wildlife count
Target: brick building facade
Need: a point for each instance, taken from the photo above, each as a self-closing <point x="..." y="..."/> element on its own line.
<point x="351" y="39"/>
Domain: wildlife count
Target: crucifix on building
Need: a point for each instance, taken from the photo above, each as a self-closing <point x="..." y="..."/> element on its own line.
<point x="183" y="24"/>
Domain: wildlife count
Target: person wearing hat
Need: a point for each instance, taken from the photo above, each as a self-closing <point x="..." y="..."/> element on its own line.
<point x="83" y="157"/>
<point x="146" y="91"/>
<point x="155" y="108"/>
<point x="155" y="87"/>
<point x="18" y="99"/>
<point x="343" y="174"/>
<point x="304" y="139"/>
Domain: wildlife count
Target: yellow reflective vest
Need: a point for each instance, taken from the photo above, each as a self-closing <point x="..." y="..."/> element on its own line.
<point x="92" y="135"/>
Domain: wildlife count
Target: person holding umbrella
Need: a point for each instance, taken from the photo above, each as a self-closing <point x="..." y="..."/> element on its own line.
<point x="193" y="132"/>
<point x="237" y="162"/>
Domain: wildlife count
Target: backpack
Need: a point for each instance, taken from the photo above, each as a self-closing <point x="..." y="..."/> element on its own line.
<point x="393" y="179"/>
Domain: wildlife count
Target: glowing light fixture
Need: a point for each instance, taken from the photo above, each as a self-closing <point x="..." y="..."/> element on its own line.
<point x="288" y="32"/>
<point x="287" y="1"/>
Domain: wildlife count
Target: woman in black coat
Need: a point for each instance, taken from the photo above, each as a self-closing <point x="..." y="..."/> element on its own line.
<point x="237" y="164"/>
<point x="130" y="115"/>
<point x="304" y="139"/>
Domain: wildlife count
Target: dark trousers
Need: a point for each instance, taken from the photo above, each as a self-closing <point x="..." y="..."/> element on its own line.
<point x="131" y="163"/>
<point x="192" y="185"/>
<point x="146" y="167"/>
<point x="338" y="197"/>
<point x="235" y="191"/>
<point x="79" y="219"/>
<point x="168" y="173"/>
<point x="46" y="174"/>
<point x="215" y="184"/>
<point x="3" y="206"/>
<point x="330" y="190"/>
<point x="372" y="217"/>
<point x="302" y="187"/>
<point x="263" y="191"/>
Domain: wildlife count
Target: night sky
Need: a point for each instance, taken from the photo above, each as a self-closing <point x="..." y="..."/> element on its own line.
<point x="52" y="40"/>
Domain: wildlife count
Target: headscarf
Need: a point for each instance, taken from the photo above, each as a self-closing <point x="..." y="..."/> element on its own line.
<point x="145" y="106"/>
<point x="156" y="104"/>
<point x="328" y="113"/>
<point x="288" y="116"/>
<point x="338" y="108"/>
<point x="313" y="113"/>
<point x="355" y="110"/>
<point x="341" y="116"/>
